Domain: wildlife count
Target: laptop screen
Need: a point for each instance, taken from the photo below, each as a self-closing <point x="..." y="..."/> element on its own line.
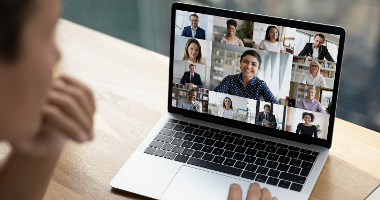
<point x="263" y="74"/>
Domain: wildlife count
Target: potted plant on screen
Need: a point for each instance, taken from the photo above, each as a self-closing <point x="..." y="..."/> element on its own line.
<point x="319" y="130"/>
<point x="329" y="105"/>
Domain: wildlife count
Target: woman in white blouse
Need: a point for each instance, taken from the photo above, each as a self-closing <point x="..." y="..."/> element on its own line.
<point x="227" y="111"/>
<point x="271" y="41"/>
<point x="314" y="76"/>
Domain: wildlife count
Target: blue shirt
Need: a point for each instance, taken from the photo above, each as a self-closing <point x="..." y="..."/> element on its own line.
<point x="256" y="88"/>
<point x="185" y="104"/>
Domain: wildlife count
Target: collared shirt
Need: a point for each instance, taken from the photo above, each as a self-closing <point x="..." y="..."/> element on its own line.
<point x="191" y="79"/>
<point x="311" y="105"/>
<point x="315" y="53"/>
<point x="256" y="88"/>
<point x="185" y="104"/>
<point x="193" y="32"/>
<point x="319" y="80"/>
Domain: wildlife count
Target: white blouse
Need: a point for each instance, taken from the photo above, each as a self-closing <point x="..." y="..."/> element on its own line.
<point x="319" y="80"/>
<point x="269" y="46"/>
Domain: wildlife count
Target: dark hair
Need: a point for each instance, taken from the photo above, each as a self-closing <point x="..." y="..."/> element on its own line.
<point x="251" y="53"/>
<point x="310" y="114"/>
<point x="224" y="106"/>
<point x="267" y="33"/>
<point x="231" y="22"/>
<point x="13" y="15"/>
<point x="192" y="65"/>
<point x="320" y="35"/>
<point x="266" y="106"/>
<point x="192" y="90"/>
<point x="193" y="15"/>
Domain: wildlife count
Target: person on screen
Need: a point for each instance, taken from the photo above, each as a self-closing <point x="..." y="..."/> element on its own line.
<point x="268" y="116"/>
<point x="307" y="128"/>
<point x="194" y="31"/>
<point x="316" y="50"/>
<point x="192" y="52"/>
<point x="230" y="38"/>
<point x="271" y="41"/>
<point x="227" y="110"/>
<point x="309" y="103"/>
<point x="191" y="103"/>
<point x="314" y="76"/>
<point x="191" y="78"/>
<point x="246" y="84"/>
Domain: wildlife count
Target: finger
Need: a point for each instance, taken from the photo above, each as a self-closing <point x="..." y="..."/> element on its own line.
<point x="254" y="192"/>
<point x="56" y="118"/>
<point x="274" y="198"/>
<point x="75" y="92"/>
<point x="265" y="194"/>
<point x="71" y="108"/>
<point x="235" y="192"/>
<point x="86" y="89"/>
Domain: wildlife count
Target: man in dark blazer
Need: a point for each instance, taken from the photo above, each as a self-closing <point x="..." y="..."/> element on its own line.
<point x="266" y="115"/>
<point x="321" y="51"/>
<point x="192" y="78"/>
<point x="194" y="31"/>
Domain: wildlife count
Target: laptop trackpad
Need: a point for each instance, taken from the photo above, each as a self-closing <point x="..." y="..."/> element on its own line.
<point x="191" y="183"/>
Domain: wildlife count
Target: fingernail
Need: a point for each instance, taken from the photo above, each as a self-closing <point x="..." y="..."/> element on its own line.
<point x="264" y="188"/>
<point x="83" y="137"/>
<point x="275" y="198"/>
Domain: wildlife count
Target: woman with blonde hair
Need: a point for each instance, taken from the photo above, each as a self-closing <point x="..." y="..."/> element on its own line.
<point x="314" y="76"/>
<point x="193" y="52"/>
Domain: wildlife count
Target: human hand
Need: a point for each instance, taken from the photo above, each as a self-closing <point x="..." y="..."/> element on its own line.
<point x="254" y="193"/>
<point x="268" y="125"/>
<point x="67" y="113"/>
<point x="309" y="57"/>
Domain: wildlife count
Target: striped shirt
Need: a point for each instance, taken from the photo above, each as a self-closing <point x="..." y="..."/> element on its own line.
<point x="311" y="105"/>
<point x="256" y="88"/>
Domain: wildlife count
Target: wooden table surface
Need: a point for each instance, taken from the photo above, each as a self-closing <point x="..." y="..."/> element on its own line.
<point x="130" y="86"/>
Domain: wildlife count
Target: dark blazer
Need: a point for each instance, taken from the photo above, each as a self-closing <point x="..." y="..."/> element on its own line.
<point x="271" y="118"/>
<point x="197" y="79"/>
<point x="200" y="34"/>
<point x="323" y="52"/>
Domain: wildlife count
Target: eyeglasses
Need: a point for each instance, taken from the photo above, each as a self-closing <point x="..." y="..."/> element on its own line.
<point x="314" y="66"/>
<point x="194" y="20"/>
<point x="228" y="28"/>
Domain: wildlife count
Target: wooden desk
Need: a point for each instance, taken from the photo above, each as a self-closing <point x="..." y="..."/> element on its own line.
<point x="130" y="85"/>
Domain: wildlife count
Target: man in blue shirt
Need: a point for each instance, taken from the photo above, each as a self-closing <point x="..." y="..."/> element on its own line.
<point x="191" y="103"/>
<point x="194" y="31"/>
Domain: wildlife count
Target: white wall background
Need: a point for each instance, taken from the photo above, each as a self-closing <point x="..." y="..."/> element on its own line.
<point x="222" y="22"/>
<point x="237" y="102"/>
<point x="205" y="22"/>
<point x="179" y="49"/>
<point x="252" y="111"/>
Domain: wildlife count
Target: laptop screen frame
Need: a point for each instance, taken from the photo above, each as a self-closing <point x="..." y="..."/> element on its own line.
<point x="323" y="28"/>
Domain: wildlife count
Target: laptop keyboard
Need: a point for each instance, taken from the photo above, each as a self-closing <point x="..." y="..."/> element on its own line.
<point x="248" y="157"/>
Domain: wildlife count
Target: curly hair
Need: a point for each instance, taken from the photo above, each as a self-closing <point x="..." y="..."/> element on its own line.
<point x="231" y="22"/>
<point x="310" y="114"/>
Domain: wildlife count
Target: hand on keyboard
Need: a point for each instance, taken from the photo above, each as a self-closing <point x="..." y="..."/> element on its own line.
<point x="254" y="193"/>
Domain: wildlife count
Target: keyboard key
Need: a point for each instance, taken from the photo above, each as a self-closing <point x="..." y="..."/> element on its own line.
<point x="283" y="159"/>
<point x="187" y="144"/>
<point x="170" y="155"/>
<point x="261" y="178"/>
<point x="197" y="146"/>
<point x="284" y="184"/>
<point x="294" y="170"/>
<point x="225" y="133"/>
<point x="239" y="156"/>
<point x="179" y="135"/>
<point x="249" y="159"/>
<point x="207" y="149"/>
<point x="293" y="154"/>
<point x="183" y="123"/>
<point x="208" y="134"/>
<point x="306" y="165"/>
<point x="229" y="162"/>
<point x="261" y="154"/>
<point x="156" y="144"/>
<point x="150" y="150"/>
<point x="305" y="151"/>
<point x="293" y="148"/>
<point x="198" y="132"/>
<point x="173" y="121"/>
<point x="251" y="152"/>
<point x="177" y="149"/>
<point x="274" y="173"/>
<point x="306" y="157"/>
<point x="239" y="141"/>
<point x="167" y="132"/>
<point x="189" y="130"/>
<point x="214" y="130"/>
<point x="315" y="153"/>
<point x="273" y="181"/>
<point x="259" y="140"/>
<point x="187" y="152"/>
<point x="259" y="146"/>
<point x="292" y="177"/>
<point x="228" y="139"/>
<point x="199" y="139"/>
<point x="305" y="172"/>
<point x="208" y="157"/>
<point x="181" y="158"/>
<point x="270" y="143"/>
<point x="163" y="138"/>
<point x="282" y="145"/>
<point x="295" y="162"/>
<point x="283" y="167"/>
<point x="193" y="125"/>
<point x="218" y="159"/>
<point x="240" y="165"/>
<point x="262" y="170"/>
<point x="160" y="153"/>
<point x="249" y="175"/>
<point x="272" y="165"/>
<point x="245" y="137"/>
<point x="271" y="149"/>
<point x="228" y="154"/>
<point x="273" y="157"/>
<point x="240" y="149"/>
<point x="217" y="151"/>
<point x="204" y="128"/>
<point x="251" y="167"/>
<point x="169" y="125"/>
<point x="179" y="127"/>
<point x="167" y="147"/>
<point x="282" y="151"/>
<point x="198" y="154"/>
<point x="189" y="137"/>
<point x="215" y="166"/>
<point x="260" y="161"/>
<point x="219" y="144"/>
<point x="177" y="141"/>
<point x="296" y="187"/>
<point x="209" y="142"/>
<point x="218" y="137"/>
<point x="230" y="147"/>
<point x="249" y="144"/>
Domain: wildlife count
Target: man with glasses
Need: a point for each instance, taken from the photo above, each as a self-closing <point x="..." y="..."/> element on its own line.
<point x="316" y="50"/>
<point x="194" y="31"/>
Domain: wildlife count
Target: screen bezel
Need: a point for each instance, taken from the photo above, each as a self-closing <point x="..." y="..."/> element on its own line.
<point x="323" y="28"/>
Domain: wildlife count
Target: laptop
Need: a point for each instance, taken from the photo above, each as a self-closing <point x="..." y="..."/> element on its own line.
<point x="228" y="68"/>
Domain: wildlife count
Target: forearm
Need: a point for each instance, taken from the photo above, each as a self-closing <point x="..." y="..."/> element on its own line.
<point x="27" y="174"/>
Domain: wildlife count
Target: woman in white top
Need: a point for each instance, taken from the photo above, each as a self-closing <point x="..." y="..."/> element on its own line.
<point x="271" y="41"/>
<point x="230" y="38"/>
<point x="314" y="76"/>
<point x="192" y="51"/>
<point x="227" y="111"/>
